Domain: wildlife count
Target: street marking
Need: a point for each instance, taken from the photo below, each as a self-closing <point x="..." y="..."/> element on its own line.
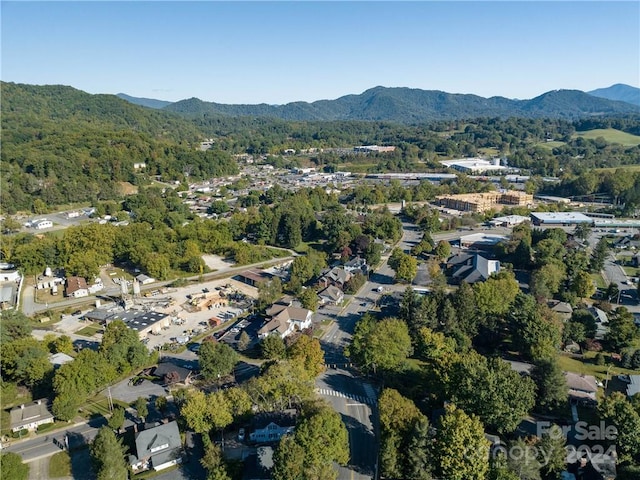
<point x="358" y="398"/>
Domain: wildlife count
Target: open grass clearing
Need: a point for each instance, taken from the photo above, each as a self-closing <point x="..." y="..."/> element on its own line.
<point x="612" y="135"/>
<point x="90" y="330"/>
<point x="60" y="465"/>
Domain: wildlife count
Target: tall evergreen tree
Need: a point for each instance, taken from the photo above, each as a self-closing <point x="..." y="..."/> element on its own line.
<point x="107" y="456"/>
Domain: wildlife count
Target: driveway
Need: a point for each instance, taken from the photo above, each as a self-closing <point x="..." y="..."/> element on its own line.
<point x="128" y="393"/>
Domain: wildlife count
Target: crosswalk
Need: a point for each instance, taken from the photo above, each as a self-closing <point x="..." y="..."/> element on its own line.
<point x="369" y="400"/>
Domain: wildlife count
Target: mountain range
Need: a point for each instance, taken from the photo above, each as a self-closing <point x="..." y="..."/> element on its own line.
<point x="408" y="105"/>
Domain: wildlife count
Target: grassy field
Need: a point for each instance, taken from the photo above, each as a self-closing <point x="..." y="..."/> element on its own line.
<point x="60" y="465"/>
<point x="631" y="168"/>
<point x="550" y="145"/>
<point x="612" y="135"/>
<point x="587" y="366"/>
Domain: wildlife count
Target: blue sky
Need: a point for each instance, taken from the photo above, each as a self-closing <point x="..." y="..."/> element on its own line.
<point x="279" y="52"/>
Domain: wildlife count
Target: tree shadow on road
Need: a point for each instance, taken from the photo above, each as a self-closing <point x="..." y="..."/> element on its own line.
<point x="364" y="440"/>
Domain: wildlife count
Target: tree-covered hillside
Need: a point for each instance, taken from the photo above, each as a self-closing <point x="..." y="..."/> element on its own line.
<point x="61" y="145"/>
<point x="407" y="105"/>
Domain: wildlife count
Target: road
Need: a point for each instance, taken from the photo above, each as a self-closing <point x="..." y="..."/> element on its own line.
<point x="353" y="398"/>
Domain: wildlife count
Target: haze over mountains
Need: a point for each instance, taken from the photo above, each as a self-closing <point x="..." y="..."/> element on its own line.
<point x="408" y="105"/>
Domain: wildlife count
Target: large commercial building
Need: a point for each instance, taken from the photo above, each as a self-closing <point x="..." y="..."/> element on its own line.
<point x="481" y="202"/>
<point x="560" y="218"/>
<point x="474" y="165"/>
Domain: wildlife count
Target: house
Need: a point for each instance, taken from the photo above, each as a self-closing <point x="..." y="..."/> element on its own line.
<point x="253" y="277"/>
<point x="271" y="427"/>
<point x="285" y="319"/>
<point x="331" y="295"/>
<point x="582" y="388"/>
<point x="563" y="309"/>
<point x="337" y="276"/>
<point x="42" y="224"/>
<point x="356" y="265"/>
<point x="30" y="416"/>
<point x="471" y="268"/>
<point x="602" y="322"/>
<point x="171" y="373"/>
<point x="77" y="287"/>
<point x="156" y="448"/>
<point x="59" y="359"/>
<point x="634" y="385"/>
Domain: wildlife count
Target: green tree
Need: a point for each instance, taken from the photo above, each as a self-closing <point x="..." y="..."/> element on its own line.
<point x="533" y="334"/>
<point x="216" y="360"/>
<point x="196" y="412"/>
<point x="269" y="292"/>
<point x="141" y="408"/>
<point x="552" y="452"/>
<point x="505" y="398"/>
<point x="243" y="341"/>
<point x="308" y="352"/>
<point x="546" y="281"/>
<point x="419" y="462"/>
<point x="383" y="345"/>
<point x="273" y="347"/>
<point x="525" y="463"/>
<point x="622" y="329"/>
<point x="495" y="295"/>
<point x="116" y="420"/>
<point x="552" y="391"/>
<point x="309" y="299"/>
<point x="11" y="466"/>
<point x="443" y="249"/>
<point x="107" y="456"/>
<point x="322" y="440"/>
<point x="616" y="410"/>
<point x="398" y="418"/>
<point x="14" y="325"/>
<point x="460" y="451"/>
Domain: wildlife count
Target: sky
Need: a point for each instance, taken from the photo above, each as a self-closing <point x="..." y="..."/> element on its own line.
<point x="280" y="52"/>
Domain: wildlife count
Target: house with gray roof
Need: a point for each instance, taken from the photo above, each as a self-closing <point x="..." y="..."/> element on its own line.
<point x="331" y="295"/>
<point x="29" y="416"/>
<point x="471" y="268"/>
<point x="582" y="388"/>
<point x="634" y="385"/>
<point x="156" y="448"/>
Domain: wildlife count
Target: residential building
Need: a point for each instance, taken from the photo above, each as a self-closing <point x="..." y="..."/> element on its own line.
<point x="337" y="276"/>
<point x="471" y="268"/>
<point x="331" y="295"/>
<point x="633" y="388"/>
<point x="29" y="416"/>
<point x="271" y="427"/>
<point x="156" y="448"/>
<point x="285" y="320"/>
<point x="582" y="388"/>
<point x="563" y="309"/>
<point x="171" y="373"/>
<point x="76" y="287"/>
<point x="602" y="322"/>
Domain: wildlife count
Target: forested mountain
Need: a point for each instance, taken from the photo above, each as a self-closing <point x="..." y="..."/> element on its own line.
<point x="406" y="105"/>
<point x="144" y="102"/>
<point x="62" y="145"/>
<point x="619" y="92"/>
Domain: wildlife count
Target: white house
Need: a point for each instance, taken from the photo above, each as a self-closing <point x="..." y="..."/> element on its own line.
<point x="157" y="448"/>
<point x="42" y="224"/>
<point x="77" y="287"/>
<point x="29" y="416"/>
<point x="271" y="427"/>
<point x="285" y="320"/>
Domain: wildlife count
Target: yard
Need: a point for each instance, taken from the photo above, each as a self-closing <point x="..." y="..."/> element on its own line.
<point x="60" y="465"/>
<point x="90" y="330"/>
